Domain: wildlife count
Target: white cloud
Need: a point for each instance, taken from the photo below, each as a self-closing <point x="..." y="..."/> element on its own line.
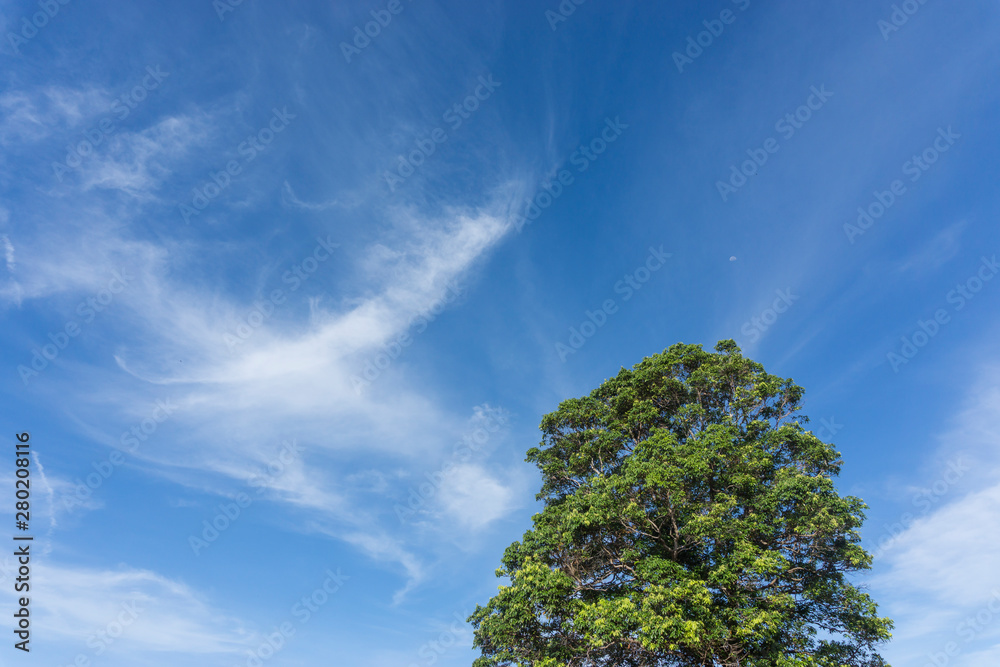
<point x="292" y="377"/>
<point x="382" y="547"/>
<point x="81" y="262"/>
<point x="305" y="372"/>
<point x="291" y="380"/>
<point x="951" y="556"/>
<point x="8" y="253"/>
<point x="147" y="612"/>
<point x="31" y="116"/>
<point x="941" y="248"/>
<point x="942" y="569"/>
<point x="474" y="498"/>
<point x="289" y="197"/>
<point x="138" y="162"/>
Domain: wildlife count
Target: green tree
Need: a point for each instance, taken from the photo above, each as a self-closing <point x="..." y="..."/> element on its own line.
<point x="689" y="520"/>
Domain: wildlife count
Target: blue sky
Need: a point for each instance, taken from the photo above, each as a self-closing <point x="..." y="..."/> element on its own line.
<point x="288" y="288"/>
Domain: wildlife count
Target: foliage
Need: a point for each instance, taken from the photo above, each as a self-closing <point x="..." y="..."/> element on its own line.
<point x="689" y="519"/>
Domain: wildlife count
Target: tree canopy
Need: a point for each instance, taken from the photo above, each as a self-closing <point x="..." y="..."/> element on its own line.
<point x="689" y="519"/>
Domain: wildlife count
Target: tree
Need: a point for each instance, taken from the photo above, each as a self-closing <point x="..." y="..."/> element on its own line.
<point x="689" y="519"/>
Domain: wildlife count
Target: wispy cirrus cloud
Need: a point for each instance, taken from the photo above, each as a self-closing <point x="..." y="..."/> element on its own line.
<point x="940" y="570"/>
<point x="164" y="337"/>
<point x="32" y="115"/>
<point x="291" y="377"/>
<point x="77" y="605"/>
